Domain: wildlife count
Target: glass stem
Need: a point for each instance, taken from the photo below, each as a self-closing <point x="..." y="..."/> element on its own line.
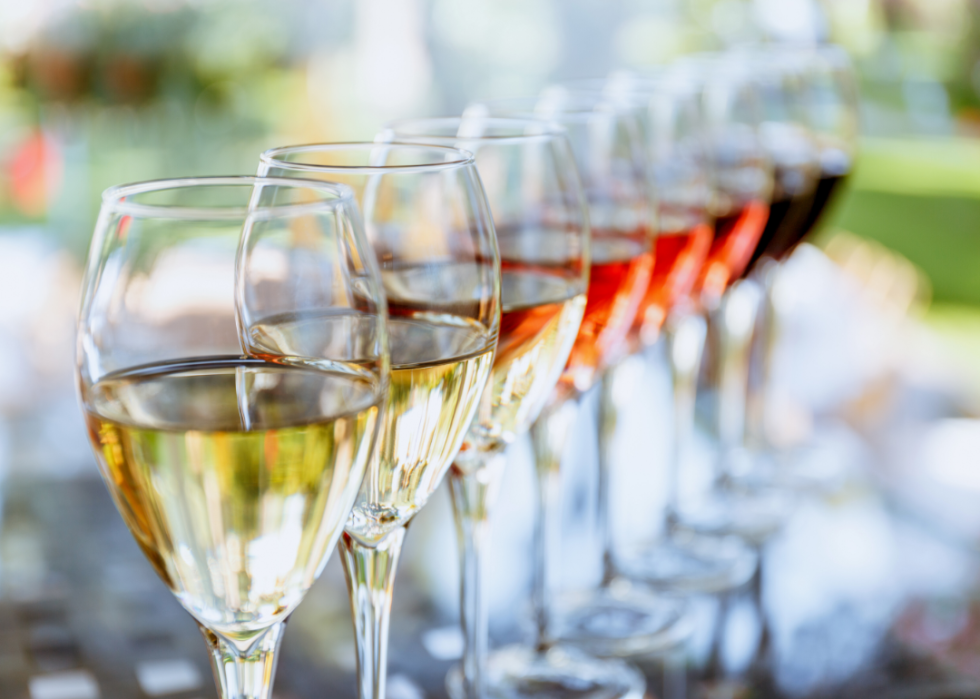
<point x="245" y="669"/>
<point x="736" y="324"/>
<point x="548" y="435"/>
<point x="685" y="334"/>
<point x="474" y="491"/>
<point x="761" y="356"/>
<point x="762" y="654"/>
<point x="607" y="432"/>
<point x="370" y="574"/>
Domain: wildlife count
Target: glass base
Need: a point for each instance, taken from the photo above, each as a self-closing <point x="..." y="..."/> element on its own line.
<point x="692" y="563"/>
<point x="620" y="620"/>
<point x="519" y="672"/>
<point x="754" y="514"/>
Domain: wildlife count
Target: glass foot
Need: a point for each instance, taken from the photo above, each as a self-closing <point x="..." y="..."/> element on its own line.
<point x="519" y="672"/>
<point x="754" y="514"/>
<point x="620" y="620"/>
<point x="692" y="563"/>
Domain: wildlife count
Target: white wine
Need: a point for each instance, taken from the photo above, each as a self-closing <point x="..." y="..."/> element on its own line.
<point x="440" y="363"/>
<point x="438" y="371"/>
<point x="538" y="325"/>
<point x="235" y="475"/>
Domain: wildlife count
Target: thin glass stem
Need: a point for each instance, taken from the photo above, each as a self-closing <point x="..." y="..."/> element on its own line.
<point x="607" y="431"/>
<point x="548" y="435"/>
<point x="245" y="668"/>
<point x="760" y="367"/>
<point x="685" y="334"/>
<point x="760" y="664"/>
<point x="474" y="492"/>
<point x="370" y="574"/>
<point x="735" y="320"/>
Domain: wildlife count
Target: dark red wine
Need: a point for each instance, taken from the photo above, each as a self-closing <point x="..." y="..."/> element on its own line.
<point x="826" y="187"/>
<point x="792" y="219"/>
<point x="791" y="204"/>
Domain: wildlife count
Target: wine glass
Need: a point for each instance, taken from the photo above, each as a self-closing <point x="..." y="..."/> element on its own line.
<point x="542" y="228"/>
<point x="428" y="221"/>
<point x="826" y="106"/>
<point x="732" y="104"/>
<point x="606" y="140"/>
<point x="234" y="472"/>
<point x="832" y="105"/>
<point x="680" y="170"/>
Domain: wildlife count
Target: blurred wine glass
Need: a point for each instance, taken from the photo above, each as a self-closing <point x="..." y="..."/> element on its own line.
<point x="606" y="140"/>
<point x="677" y="141"/>
<point x="538" y="205"/>
<point x="429" y="224"/>
<point x="821" y="88"/>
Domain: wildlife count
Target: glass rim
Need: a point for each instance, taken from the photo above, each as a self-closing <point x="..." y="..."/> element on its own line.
<point x="114" y="198"/>
<point x="625" y="81"/>
<point x="549" y="129"/>
<point x="270" y="157"/>
<point x="578" y="107"/>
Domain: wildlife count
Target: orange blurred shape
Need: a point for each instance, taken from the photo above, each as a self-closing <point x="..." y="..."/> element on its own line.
<point x="34" y="172"/>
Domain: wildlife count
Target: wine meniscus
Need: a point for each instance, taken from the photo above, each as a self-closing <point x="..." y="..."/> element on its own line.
<point x="234" y="475"/>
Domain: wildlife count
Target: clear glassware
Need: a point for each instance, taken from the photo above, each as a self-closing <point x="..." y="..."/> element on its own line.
<point x="734" y="112"/>
<point x="825" y="98"/>
<point x="542" y="228"/>
<point x="606" y="140"/>
<point x="428" y="221"/>
<point x="678" y="156"/>
<point x="234" y="472"/>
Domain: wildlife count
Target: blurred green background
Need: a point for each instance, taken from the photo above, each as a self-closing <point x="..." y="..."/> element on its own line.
<point x="97" y="92"/>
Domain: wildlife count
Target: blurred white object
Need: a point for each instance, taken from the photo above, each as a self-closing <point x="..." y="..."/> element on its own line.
<point x="39" y="292"/>
<point x="39" y="287"/>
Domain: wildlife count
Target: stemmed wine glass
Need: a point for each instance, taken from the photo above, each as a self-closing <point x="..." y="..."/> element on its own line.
<point x="234" y="472"/>
<point x="832" y="104"/>
<point x="742" y="163"/>
<point x="826" y="106"/>
<point x="429" y="225"/>
<point x="607" y="144"/>
<point x="676" y="138"/>
<point x="542" y="228"/>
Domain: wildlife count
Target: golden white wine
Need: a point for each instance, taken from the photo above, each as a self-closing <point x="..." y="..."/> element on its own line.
<point x="438" y="370"/>
<point x="538" y="325"/>
<point x="440" y="363"/>
<point x="235" y="476"/>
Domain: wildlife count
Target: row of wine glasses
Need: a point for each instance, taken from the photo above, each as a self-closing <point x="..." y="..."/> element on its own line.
<point x="273" y="365"/>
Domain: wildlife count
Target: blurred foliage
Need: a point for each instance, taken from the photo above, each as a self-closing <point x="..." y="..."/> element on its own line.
<point x="938" y="233"/>
<point x="97" y="92"/>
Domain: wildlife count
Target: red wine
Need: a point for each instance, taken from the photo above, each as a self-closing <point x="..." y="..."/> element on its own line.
<point x="678" y="259"/>
<point x="736" y="236"/>
<point x="827" y="186"/>
<point x="791" y="203"/>
<point x="792" y="219"/>
<point x="620" y="274"/>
